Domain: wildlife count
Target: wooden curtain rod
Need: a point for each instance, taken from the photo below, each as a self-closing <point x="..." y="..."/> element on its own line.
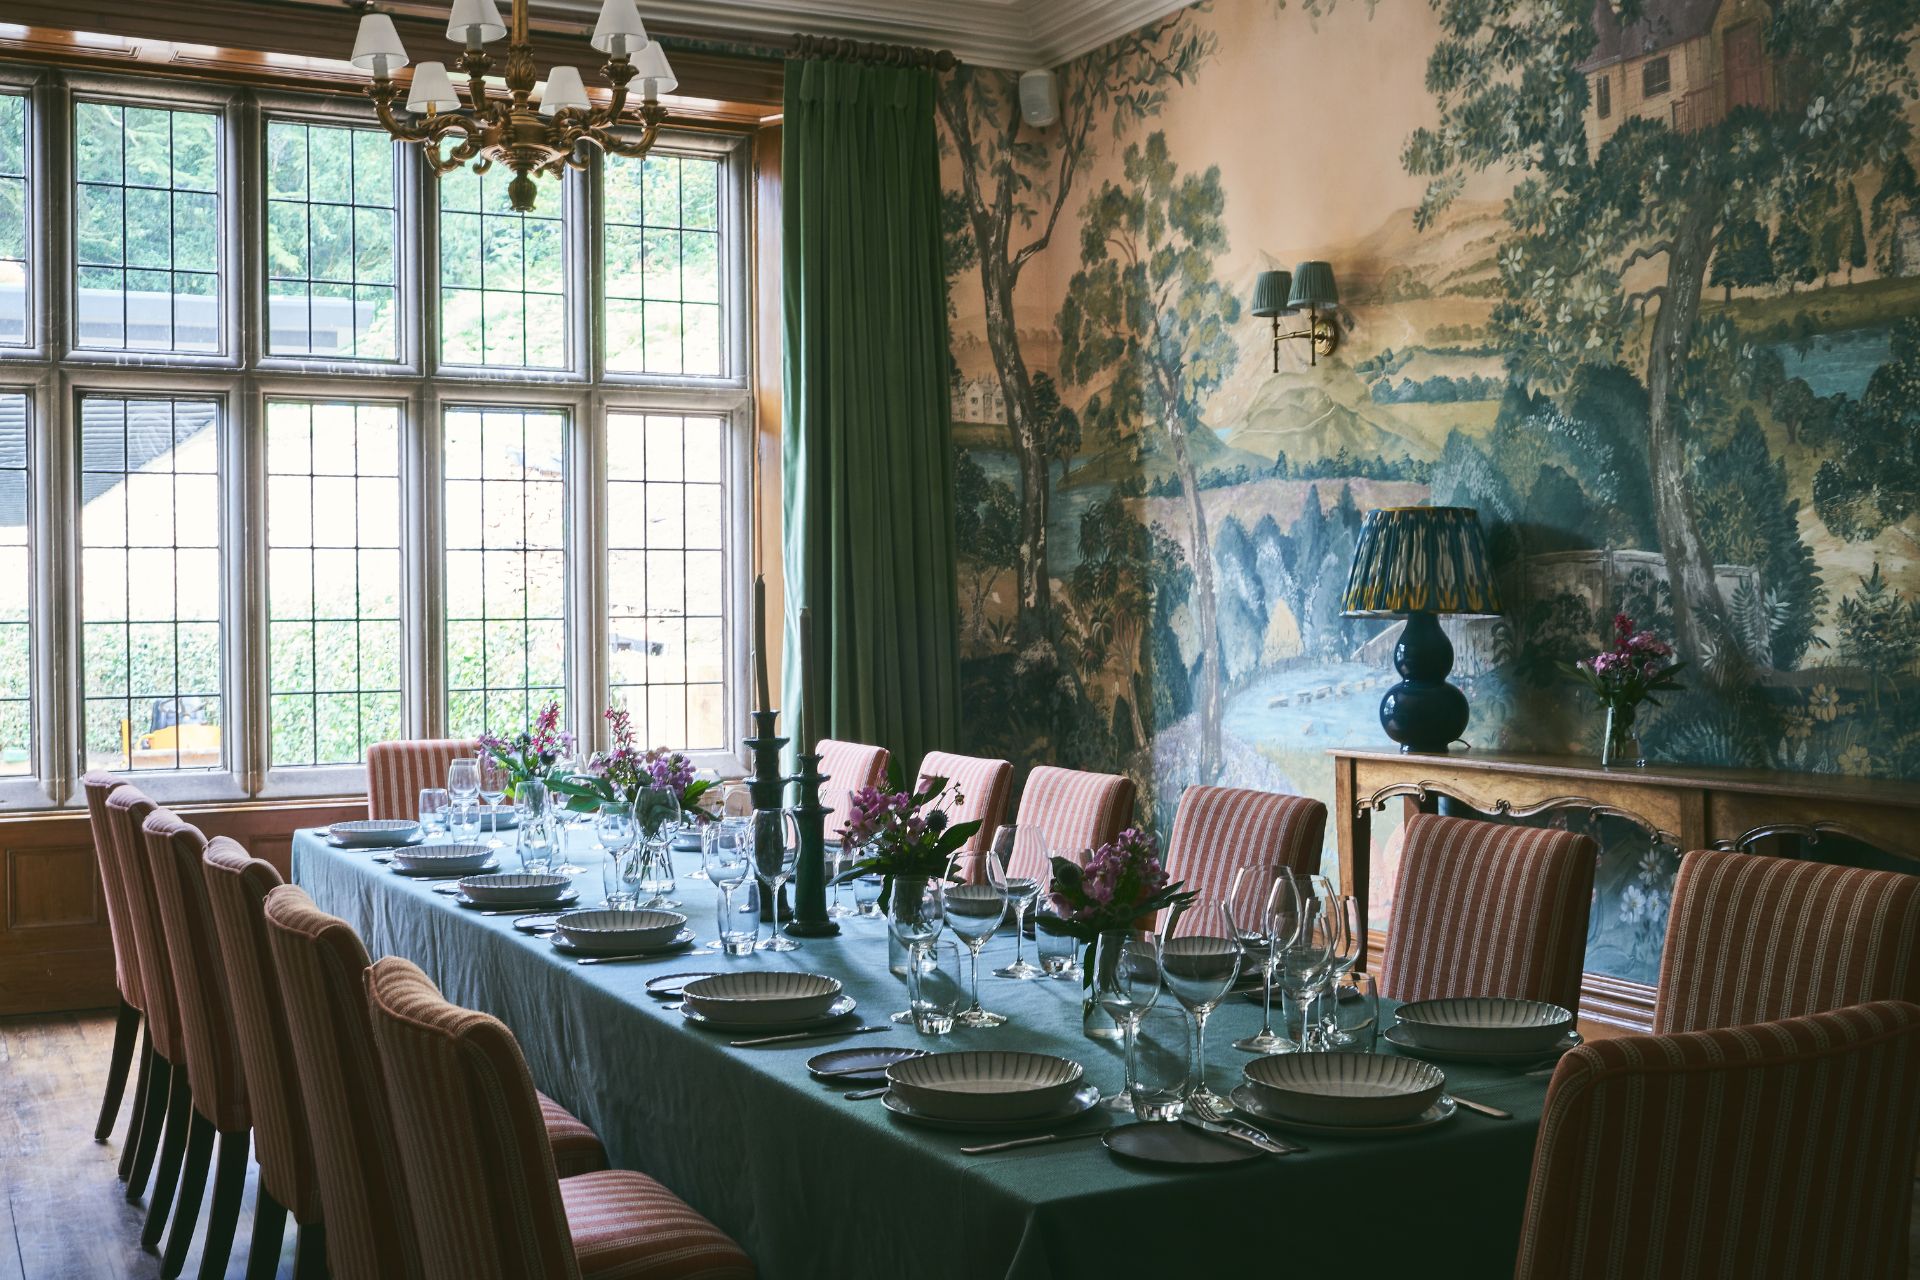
<point x="834" y="48"/>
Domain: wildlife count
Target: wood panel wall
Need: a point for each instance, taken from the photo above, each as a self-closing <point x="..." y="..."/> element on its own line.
<point x="56" y="952"/>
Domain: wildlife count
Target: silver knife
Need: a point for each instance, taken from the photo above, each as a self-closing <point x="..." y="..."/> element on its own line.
<point x="1485" y="1110"/>
<point x="1266" y="1147"/>
<point x="791" y="1036"/>
<point x="1042" y="1140"/>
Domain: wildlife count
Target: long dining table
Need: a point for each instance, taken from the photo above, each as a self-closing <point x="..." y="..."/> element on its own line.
<point x="813" y="1184"/>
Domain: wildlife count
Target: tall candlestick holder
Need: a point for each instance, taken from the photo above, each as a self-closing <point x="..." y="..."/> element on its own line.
<point x="810" y="918"/>
<point x="768" y="787"/>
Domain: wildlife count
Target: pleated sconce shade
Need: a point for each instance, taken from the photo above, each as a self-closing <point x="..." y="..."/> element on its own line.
<point x="1313" y="286"/>
<point x="1270" y="290"/>
<point x="1420" y="560"/>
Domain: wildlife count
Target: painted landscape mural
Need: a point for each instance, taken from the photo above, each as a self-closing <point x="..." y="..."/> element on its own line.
<point x="1638" y="279"/>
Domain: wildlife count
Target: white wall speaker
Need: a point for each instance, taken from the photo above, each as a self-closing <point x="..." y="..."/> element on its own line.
<point x="1039" y="98"/>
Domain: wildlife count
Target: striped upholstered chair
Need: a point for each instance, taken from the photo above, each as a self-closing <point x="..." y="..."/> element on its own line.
<point x="1751" y="939"/>
<point x="320" y="963"/>
<point x="486" y="1198"/>
<point x="985" y="786"/>
<point x="1218" y="830"/>
<point x="126" y="975"/>
<point x="238" y="886"/>
<point x="1774" y="1151"/>
<point x="1488" y="909"/>
<point x="848" y="766"/>
<point x="167" y="1093"/>
<point x="214" y="1074"/>
<point x="397" y="772"/>
<point x="1073" y="812"/>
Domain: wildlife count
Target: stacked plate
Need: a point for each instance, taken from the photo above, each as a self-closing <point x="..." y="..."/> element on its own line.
<point x="730" y="999"/>
<point x="609" y="932"/>
<point x="511" y="890"/>
<point x="1343" y="1093"/>
<point x="987" y="1089"/>
<point x="444" y="859"/>
<point x="374" y="833"/>
<point x="1482" y="1028"/>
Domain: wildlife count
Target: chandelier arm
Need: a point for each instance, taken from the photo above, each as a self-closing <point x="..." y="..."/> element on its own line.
<point x="652" y="116"/>
<point x="619" y="73"/>
<point x="384" y="93"/>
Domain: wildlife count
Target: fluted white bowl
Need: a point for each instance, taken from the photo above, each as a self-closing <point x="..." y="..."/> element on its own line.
<point x="613" y="930"/>
<point x="983" y="1084"/>
<point x="1345" y="1088"/>
<point x="1485" y="1024"/>
<point x="443" y="859"/>
<point x="510" y="889"/>
<point x="374" y="831"/>
<point x="761" y="996"/>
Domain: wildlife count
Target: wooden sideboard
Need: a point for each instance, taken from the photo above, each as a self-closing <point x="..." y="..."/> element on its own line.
<point x="1679" y="806"/>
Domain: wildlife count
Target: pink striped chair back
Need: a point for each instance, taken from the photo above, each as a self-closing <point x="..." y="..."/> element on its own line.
<point x="321" y="966"/>
<point x="127" y="809"/>
<point x="238" y="887"/>
<point x="984" y="786"/>
<point x="1752" y="939"/>
<point x="1074" y="813"/>
<point x="1488" y="909"/>
<point x="113" y="889"/>
<point x="1776" y="1151"/>
<point x="1218" y="830"/>
<point x="397" y="772"/>
<point x="848" y="766"/>
<point x="200" y="983"/>
<point x="480" y="1175"/>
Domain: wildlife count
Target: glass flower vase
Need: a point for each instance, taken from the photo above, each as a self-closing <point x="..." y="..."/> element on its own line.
<point x="1621" y="746"/>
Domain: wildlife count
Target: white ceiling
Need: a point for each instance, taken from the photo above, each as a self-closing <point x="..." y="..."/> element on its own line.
<point x="998" y="33"/>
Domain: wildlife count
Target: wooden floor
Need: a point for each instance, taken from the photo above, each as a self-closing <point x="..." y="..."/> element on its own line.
<point x="63" y="1215"/>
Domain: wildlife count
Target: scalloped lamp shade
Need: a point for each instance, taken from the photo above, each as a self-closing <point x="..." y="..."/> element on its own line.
<point x="1313" y="286"/>
<point x="476" y="20"/>
<point x="564" y="91"/>
<point x="1270" y="290"/>
<point x="431" y="89"/>
<point x="1420" y="560"/>
<point x="652" y="69"/>
<point x="619" y="31"/>
<point x="377" y="46"/>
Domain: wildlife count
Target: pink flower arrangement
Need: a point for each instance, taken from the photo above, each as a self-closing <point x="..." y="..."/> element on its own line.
<point x="626" y="773"/>
<point x="534" y="752"/>
<point x="901" y="833"/>
<point x="1121" y="881"/>
<point x="1639" y="665"/>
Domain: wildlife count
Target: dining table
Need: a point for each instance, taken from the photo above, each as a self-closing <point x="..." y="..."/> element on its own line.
<point x="812" y="1183"/>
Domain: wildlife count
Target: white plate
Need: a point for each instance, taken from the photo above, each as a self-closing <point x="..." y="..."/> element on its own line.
<point x="1248" y="1105"/>
<point x="374" y="833"/>
<point x="512" y="889"/>
<point x="418" y="837"/>
<point x="546" y="906"/>
<point x="1344" y="1088"/>
<point x="1484" y="1024"/>
<point x="986" y="1084"/>
<point x="615" y="930"/>
<point x="1075" y="1106"/>
<point x="439" y="858"/>
<point x="681" y="942"/>
<point x="1397" y="1038"/>
<point x="491" y="864"/>
<point x="762" y="995"/>
<point x="839" y="1009"/>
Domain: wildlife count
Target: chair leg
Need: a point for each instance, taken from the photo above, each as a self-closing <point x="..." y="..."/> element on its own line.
<point x="159" y="1088"/>
<point x="229" y="1185"/>
<point x="166" y="1175"/>
<point x="126" y="1034"/>
<point x="310" y="1255"/>
<point x="137" y="1112"/>
<point x="193" y="1189"/>
<point x="269" y="1228"/>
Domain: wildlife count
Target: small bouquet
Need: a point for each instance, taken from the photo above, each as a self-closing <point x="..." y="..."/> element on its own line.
<point x="643" y="779"/>
<point x="901" y="834"/>
<point x="533" y="753"/>
<point x="1122" y="882"/>
<point x="1638" y="666"/>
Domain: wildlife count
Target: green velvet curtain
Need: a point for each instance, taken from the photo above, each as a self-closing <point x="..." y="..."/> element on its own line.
<point x="868" y="458"/>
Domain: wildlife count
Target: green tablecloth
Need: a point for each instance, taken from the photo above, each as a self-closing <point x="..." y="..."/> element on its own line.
<point x="814" y="1185"/>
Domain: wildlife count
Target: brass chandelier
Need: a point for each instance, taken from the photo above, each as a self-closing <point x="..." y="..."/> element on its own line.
<point x="532" y="135"/>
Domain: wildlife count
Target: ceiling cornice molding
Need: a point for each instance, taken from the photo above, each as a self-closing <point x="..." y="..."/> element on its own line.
<point x="1062" y="30"/>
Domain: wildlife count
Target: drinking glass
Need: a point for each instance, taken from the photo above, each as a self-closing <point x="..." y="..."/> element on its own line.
<point x="773" y="863"/>
<point x="942" y="995"/>
<point x="657" y="814"/>
<point x="738" y="915"/>
<point x="916" y="919"/>
<point x="1276" y="922"/>
<point x="975" y="908"/>
<point x="1059" y="952"/>
<point x="1352" y="1015"/>
<point x="1303" y="965"/>
<point x="494" y="781"/>
<point x="1023" y="852"/>
<point x="1127" y="986"/>
<point x="866" y="896"/>
<point x="729" y="864"/>
<point x="1199" y="960"/>
<point x="463" y="819"/>
<point x="433" y="811"/>
<point x="1343" y="911"/>
<point x="613" y="831"/>
<point x="1157" y="1063"/>
<point x="463" y="780"/>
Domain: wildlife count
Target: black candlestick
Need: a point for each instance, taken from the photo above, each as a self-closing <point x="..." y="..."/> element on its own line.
<point x="810" y="868"/>
<point x="768" y="787"/>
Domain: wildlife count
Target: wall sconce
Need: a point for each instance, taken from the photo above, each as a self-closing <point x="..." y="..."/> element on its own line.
<point x="1310" y="288"/>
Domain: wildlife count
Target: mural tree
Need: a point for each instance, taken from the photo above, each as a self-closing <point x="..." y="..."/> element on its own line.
<point x="1109" y="586"/>
<point x="1015" y="183"/>
<point x="1145" y="312"/>
<point x="1651" y="203"/>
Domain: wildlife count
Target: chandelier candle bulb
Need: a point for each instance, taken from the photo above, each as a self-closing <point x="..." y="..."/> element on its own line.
<point x="475" y="22"/>
<point x="377" y="47"/>
<point x="656" y="75"/>
<point x="619" y="31"/>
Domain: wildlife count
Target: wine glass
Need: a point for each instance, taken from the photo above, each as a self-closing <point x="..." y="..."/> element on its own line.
<point x="1303" y="964"/>
<point x="494" y="781"/>
<point x="1276" y="922"/>
<point x="613" y="832"/>
<point x="774" y="861"/>
<point x="975" y="908"/>
<point x="916" y="923"/>
<point x="433" y="811"/>
<point x="729" y="864"/>
<point x="463" y="788"/>
<point x="1127" y="985"/>
<point x="1023" y="852"/>
<point x="1199" y="961"/>
<point x="1349" y="927"/>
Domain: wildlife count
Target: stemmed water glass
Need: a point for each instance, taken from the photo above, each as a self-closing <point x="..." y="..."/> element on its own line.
<point x="729" y="864"/>
<point x="494" y="781"/>
<point x="613" y="831"/>
<point x="773" y="863"/>
<point x="1274" y="918"/>
<point x="975" y="908"/>
<point x="1127" y="988"/>
<point x="1023" y="852"/>
<point x="1199" y="961"/>
<point x="916" y="925"/>
<point x="1343" y="913"/>
<point x="463" y="789"/>
<point x="1303" y="965"/>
